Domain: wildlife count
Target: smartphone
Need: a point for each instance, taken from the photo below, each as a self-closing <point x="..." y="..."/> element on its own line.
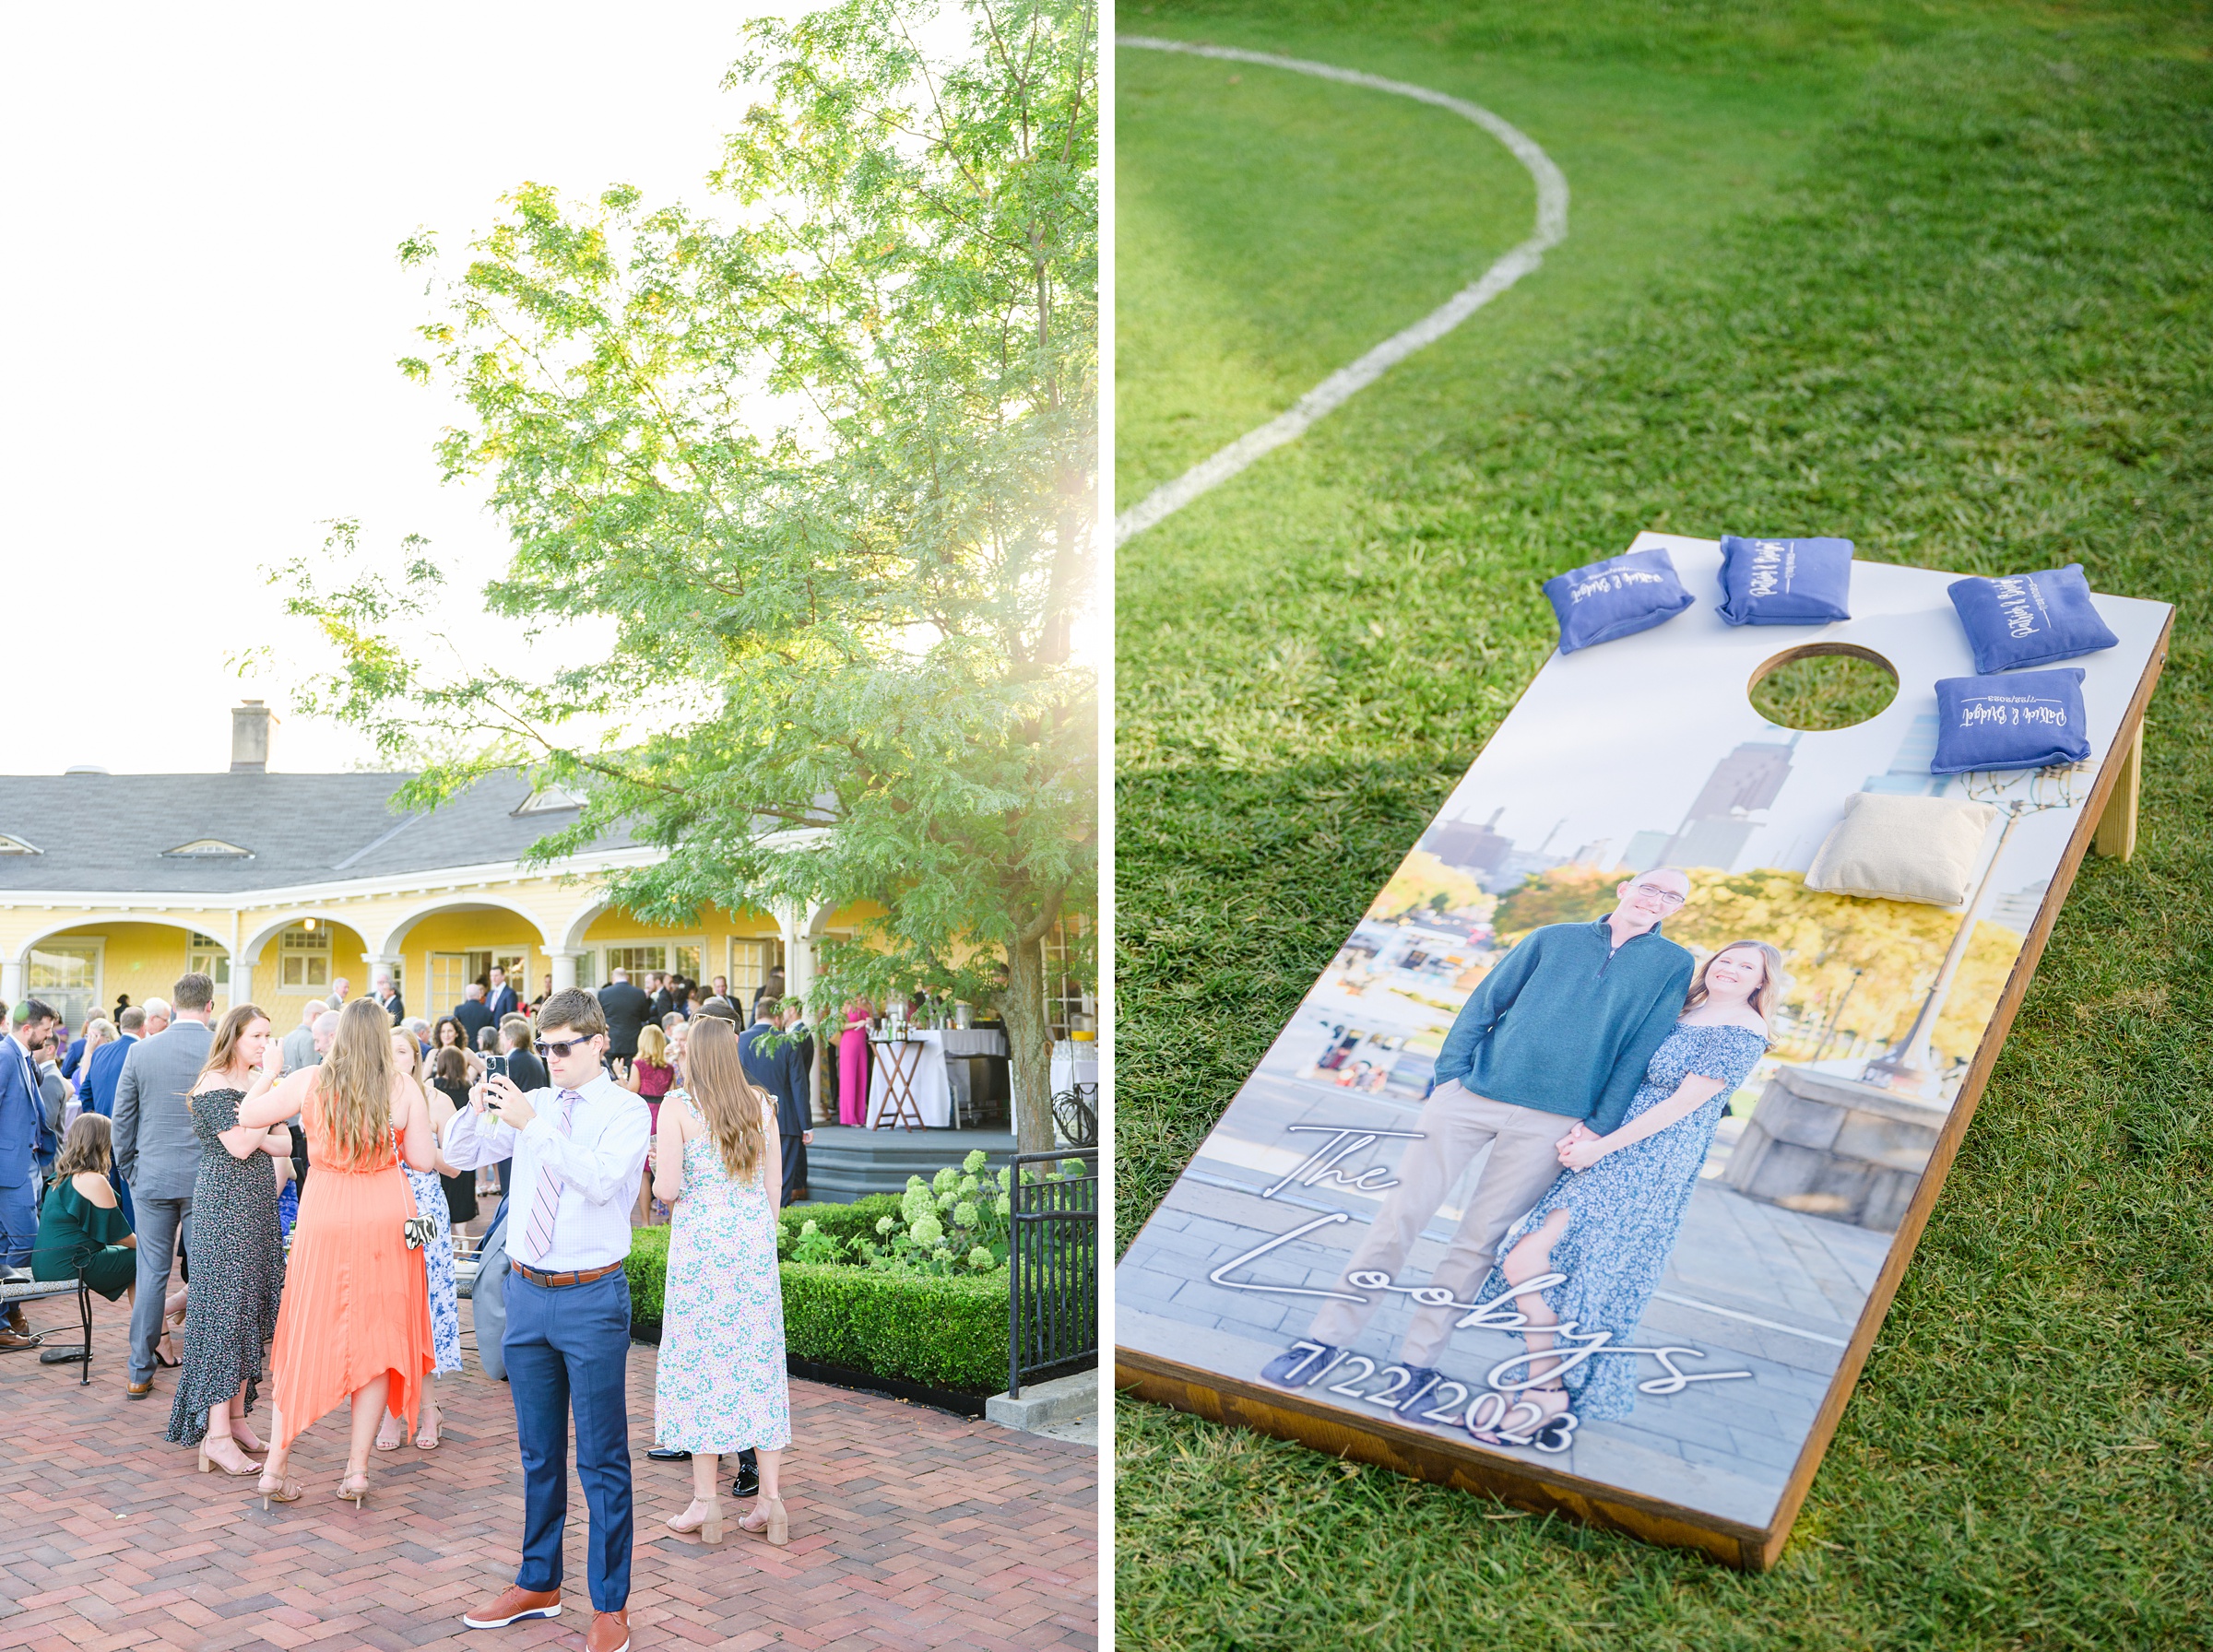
<point x="495" y="1064"/>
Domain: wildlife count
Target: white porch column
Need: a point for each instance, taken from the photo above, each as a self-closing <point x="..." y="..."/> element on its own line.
<point x="796" y="924"/>
<point x="11" y="981"/>
<point x="374" y="964"/>
<point x="799" y="951"/>
<point x="564" y="969"/>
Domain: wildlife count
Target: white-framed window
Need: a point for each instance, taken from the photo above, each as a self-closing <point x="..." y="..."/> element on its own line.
<point x="637" y="957"/>
<point x="205" y="954"/>
<point x="303" y="959"/>
<point x="687" y="961"/>
<point x="751" y="957"/>
<point x="65" y="976"/>
<point x="1068" y="993"/>
<point x="518" y="965"/>
<point x="450" y="974"/>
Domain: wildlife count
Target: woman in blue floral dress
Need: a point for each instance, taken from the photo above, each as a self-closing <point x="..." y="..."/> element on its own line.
<point x="1610" y="1221"/>
<point x="719" y="1385"/>
<point x="437" y="1258"/>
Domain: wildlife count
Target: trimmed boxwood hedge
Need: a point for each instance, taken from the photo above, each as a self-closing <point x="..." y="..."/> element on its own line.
<point x="846" y="1223"/>
<point x="946" y="1333"/>
<point x="648" y="1270"/>
<point x="949" y="1333"/>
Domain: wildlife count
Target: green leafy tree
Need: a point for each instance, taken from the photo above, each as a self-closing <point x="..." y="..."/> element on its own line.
<point x="822" y="462"/>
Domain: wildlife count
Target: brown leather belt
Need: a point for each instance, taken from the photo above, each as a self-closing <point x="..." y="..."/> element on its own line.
<point x="556" y="1280"/>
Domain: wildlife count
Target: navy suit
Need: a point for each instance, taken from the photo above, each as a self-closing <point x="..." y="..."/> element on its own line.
<point x="502" y="1004"/>
<point x="787" y="1073"/>
<point x="102" y="1073"/>
<point x="474" y="1018"/>
<point x="70" y="1057"/>
<point x="105" y="1073"/>
<point x="22" y="1113"/>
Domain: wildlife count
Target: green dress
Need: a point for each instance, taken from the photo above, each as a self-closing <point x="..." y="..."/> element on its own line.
<point x="73" y="1232"/>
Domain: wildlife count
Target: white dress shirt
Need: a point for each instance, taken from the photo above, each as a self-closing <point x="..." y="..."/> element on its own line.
<point x="598" y="1164"/>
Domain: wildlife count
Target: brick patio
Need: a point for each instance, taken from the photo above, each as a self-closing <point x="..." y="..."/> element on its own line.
<point x="909" y="1529"/>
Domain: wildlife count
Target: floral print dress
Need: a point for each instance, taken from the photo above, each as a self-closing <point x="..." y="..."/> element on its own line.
<point x="1625" y="1211"/>
<point x="719" y="1385"/>
<point x="438" y="1267"/>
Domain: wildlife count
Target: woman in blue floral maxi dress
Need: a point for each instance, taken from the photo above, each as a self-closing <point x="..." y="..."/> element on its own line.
<point x="1610" y="1221"/>
<point x="437" y="1263"/>
<point x="719" y="1383"/>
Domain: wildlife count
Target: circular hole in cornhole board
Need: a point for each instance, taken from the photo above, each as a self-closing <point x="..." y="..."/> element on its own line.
<point x="1823" y="686"/>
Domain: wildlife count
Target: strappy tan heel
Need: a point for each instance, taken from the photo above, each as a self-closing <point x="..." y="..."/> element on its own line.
<point x="354" y="1488"/>
<point x="281" y="1491"/>
<point x="768" y="1520"/>
<point x="707" y="1520"/>
<point x="208" y="1464"/>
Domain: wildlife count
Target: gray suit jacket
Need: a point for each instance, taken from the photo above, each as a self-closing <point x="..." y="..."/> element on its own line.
<point x="155" y="1146"/>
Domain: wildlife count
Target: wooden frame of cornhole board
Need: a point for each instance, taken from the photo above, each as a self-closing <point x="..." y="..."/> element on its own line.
<point x="1701" y="670"/>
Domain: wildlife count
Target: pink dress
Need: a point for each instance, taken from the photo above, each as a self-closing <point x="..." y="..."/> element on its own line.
<point x="853" y="1070"/>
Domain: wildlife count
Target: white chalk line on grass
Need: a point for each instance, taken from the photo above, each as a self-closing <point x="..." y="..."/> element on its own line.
<point x="1349" y="380"/>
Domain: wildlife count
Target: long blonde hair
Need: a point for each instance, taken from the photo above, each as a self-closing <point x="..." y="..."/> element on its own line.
<point x="714" y="1080"/>
<point x="354" y="1086"/>
<point x="653" y="1045"/>
<point x="1766" y="998"/>
<point x="224" y="1049"/>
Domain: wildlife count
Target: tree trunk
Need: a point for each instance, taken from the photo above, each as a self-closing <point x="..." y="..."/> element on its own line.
<point x="1029" y="1044"/>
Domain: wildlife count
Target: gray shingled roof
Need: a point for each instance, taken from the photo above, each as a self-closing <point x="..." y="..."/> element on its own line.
<point x="113" y="831"/>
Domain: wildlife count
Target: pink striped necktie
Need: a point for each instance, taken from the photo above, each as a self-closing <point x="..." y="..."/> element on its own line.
<point x="546" y="1200"/>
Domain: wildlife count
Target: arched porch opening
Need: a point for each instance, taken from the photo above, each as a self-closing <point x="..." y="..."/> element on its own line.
<point x="83" y="965"/>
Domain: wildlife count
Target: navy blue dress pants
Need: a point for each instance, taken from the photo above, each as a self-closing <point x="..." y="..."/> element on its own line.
<point x="567" y="1348"/>
<point x="19" y="1223"/>
<point x="795" y="1166"/>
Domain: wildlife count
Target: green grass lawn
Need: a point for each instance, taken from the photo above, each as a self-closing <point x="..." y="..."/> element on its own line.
<point x="1935" y="277"/>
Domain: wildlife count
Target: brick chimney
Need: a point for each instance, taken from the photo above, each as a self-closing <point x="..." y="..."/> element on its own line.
<point x="250" y="727"/>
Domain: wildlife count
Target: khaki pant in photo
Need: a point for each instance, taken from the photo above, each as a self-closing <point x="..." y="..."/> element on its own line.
<point x="1456" y="1124"/>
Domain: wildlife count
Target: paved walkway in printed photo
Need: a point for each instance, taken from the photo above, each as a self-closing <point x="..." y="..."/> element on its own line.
<point x="910" y="1528"/>
<point x="1751" y="1286"/>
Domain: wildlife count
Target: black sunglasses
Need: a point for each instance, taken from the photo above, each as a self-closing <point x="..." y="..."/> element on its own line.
<point x="561" y="1051"/>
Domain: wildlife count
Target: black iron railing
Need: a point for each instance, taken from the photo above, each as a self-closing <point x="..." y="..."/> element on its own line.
<point x="1053" y="1291"/>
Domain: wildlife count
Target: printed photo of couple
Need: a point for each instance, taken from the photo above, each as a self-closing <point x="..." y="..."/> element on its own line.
<point x="1594" y="1062"/>
<point x="1589" y="1144"/>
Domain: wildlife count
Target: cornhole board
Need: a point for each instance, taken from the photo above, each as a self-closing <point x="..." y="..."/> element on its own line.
<point x="1630" y="754"/>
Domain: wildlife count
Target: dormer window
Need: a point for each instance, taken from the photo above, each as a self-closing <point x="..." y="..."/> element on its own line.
<point x="207" y="848"/>
<point x="546" y="799"/>
<point x="16" y="845"/>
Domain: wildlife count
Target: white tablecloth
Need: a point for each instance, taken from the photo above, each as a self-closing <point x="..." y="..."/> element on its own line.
<point x="1073" y="1063"/>
<point x="932" y="1090"/>
<point x="972" y="1041"/>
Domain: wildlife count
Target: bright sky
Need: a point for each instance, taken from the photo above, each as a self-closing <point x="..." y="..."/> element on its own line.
<point x="205" y="310"/>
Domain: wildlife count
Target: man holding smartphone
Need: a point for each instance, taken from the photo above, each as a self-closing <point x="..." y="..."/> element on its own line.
<point x="577" y="1146"/>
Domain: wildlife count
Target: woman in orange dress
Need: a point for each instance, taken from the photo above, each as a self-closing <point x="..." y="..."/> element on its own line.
<point x="356" y="1317"/>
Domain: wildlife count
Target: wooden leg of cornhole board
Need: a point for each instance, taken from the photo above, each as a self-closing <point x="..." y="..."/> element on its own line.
<point x="2116" y="833"/>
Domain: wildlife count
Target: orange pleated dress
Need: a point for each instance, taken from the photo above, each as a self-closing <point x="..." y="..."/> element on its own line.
<point x="356" y="1299"/>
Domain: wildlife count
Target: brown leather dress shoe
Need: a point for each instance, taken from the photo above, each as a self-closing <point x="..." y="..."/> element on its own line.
<point x="517" y="1604"/>
<point x="609" y="1632"/>
<point x="11" y="1340"/>
<point x="139" y="1390"/>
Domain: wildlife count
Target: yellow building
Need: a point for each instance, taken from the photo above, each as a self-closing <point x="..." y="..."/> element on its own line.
<point x="280" y="886"/>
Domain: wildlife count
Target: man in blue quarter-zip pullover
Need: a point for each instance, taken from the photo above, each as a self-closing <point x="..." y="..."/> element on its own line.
<point x="1552" y="1045"/>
